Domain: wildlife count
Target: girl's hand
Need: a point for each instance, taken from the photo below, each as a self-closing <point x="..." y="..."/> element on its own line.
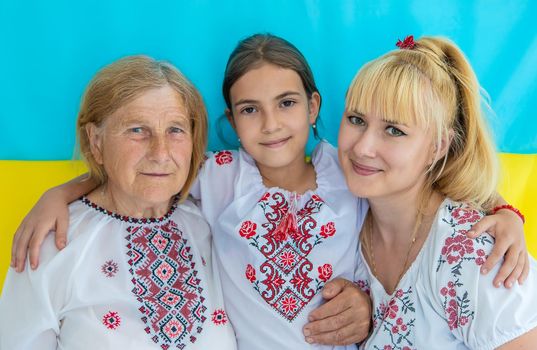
<point x="510" y="244"/>
<point x="50" y="213"/>
<point x="344" y="319"/>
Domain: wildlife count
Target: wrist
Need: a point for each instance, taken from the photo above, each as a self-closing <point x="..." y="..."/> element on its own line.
<point x="509" y="208"/>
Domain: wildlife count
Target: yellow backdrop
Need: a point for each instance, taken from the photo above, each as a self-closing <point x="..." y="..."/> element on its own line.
<point x="22" y="182"/>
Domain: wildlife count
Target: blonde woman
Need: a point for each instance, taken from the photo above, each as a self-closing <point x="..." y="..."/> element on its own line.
<point x="413" y="141"/>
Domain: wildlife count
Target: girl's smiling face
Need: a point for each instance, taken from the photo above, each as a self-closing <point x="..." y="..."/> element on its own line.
<point x="272" y="115"/>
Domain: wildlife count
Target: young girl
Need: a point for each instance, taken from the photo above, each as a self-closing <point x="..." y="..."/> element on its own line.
<point x="282" y="226"/>
<point x="413" y="141"/>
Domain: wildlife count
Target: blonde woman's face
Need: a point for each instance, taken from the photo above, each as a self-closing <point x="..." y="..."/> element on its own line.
<point x="382" y="159"/>
<point x="146" y="147"/>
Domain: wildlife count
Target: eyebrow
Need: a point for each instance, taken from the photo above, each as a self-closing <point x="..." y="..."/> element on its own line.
<point x="278" y="97"/>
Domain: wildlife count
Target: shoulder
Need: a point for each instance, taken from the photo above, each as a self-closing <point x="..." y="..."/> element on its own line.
<point x="453" y="248"/>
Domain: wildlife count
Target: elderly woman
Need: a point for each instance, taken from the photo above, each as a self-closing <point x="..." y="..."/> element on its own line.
<point x="137" y="272"/>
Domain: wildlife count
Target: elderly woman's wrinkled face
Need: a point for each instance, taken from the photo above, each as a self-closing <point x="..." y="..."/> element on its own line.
<point x="145" y="147"/>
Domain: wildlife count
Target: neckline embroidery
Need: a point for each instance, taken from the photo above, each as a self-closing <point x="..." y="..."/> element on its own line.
<point x="130" y="219"/>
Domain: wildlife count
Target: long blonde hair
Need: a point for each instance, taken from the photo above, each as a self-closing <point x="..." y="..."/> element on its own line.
<point x="433" y="85"/>
<point x="122" y="81"/>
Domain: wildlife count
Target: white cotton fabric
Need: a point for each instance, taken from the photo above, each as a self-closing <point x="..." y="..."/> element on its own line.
<point x="443" y="301"/>
<point x="63" y="304"/>
<point x="243" y="215"/>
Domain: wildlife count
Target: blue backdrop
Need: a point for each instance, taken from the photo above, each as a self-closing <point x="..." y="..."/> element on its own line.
<point x="50" y="50"/>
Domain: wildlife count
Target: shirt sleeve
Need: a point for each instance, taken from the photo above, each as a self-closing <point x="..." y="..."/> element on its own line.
<point x="28" y="308"/>
<point x="214" y="188"/>
<point x="477" y="313"/>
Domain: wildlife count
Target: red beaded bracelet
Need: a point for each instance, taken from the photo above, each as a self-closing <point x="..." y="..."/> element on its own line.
<point x="509" y="207"/>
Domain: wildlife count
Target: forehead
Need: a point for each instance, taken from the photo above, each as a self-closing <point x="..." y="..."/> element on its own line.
<point x="156" y="104"/>
<point x="267" y="80"/>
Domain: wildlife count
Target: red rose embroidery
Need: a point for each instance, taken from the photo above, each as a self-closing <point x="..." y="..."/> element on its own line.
<point x="462" y="215"/>
<point x="455" y="248"/>
<point x="219" y="317"/>
<point x="328" y="230"/>
<point x="247" y="229"/>
<point x="111" y="320"/>
<point x="223" y="157"/>
<point x="250" y="273"/>
<point x="325" y="272"/>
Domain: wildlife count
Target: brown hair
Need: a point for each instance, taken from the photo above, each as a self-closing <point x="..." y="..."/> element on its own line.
<point x="434" y="85"/>
<point x="122" y="81"/>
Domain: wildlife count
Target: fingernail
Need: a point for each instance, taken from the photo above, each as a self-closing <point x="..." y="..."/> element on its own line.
<point x="498" y="284"/>
<point x="471" y="233"/>
<point x="33" y="266"/>
<point x="484" y="271"/>
<point x="307" y="332"/>
<point x="509" y="284"/>
<point x="62" y="244"/>
<point x="309" y="340"/>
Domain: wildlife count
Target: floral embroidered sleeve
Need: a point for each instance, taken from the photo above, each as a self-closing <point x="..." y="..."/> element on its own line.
<point x="481" y="316"/>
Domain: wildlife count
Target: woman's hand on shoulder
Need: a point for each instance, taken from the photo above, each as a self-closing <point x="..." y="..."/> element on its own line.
<point x="344" y="319"/>
<point x="507" y="228"/>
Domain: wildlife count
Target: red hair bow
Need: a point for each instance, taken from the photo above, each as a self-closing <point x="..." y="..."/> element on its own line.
<point x="408" y="43"/>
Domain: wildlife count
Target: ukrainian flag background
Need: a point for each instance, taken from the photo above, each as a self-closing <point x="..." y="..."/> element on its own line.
<point x="51" y="49"/>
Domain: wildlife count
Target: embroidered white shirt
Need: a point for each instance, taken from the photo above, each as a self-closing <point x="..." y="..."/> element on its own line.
<point x="442" y="301"/>
<point x="121" y="283"/>
<point x="272" y="277"/>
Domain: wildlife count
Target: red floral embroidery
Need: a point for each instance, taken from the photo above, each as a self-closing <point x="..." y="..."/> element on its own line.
<point x="289" y="304"/>
<point x="396" y="319"/>
<point x="219" y="317"/>
<point x="285" y="283"/>
<point x="250" y="273"/>
<point x="325" y="272"/>
<point x="112" y="320"/>
<point x="223" y="157"/>
<point x="328" y="230"/>
<point x="465" y="215"/>
<point x="247" y="229"/>
<point x="109" y="268"/>
<point x="455" y="248"/>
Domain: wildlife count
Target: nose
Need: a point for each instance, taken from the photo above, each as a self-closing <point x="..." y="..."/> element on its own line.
<point x="271" y="122"/>
<point x="159" y="148"/>
<point x="366" y="144"/>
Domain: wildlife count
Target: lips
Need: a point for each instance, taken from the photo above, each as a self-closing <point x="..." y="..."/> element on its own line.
<point x="275" y="143"/>
<point x="364" y="170"/>
<point x="156" y="174"/>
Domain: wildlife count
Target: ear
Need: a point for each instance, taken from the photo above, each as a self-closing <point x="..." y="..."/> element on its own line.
<point x="95" y="140"/>
<point x="230" y="119"/>
<point x="314" y="105"/>
<point x="440" y="150"/>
